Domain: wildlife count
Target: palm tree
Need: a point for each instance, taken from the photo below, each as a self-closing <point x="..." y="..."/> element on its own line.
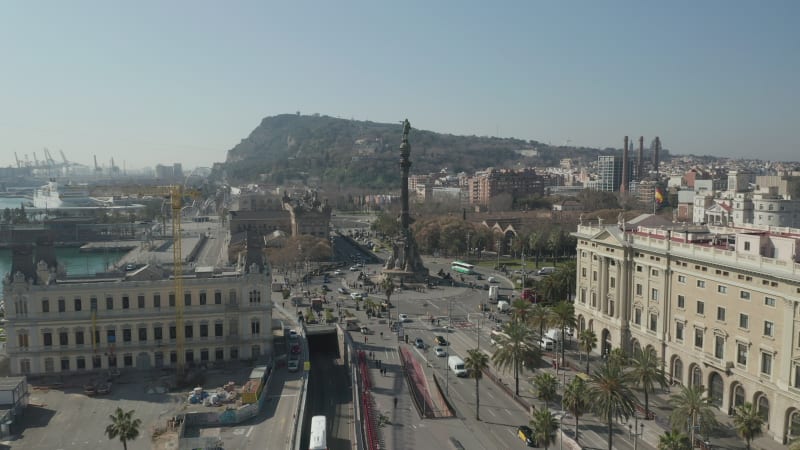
<point x="544" y="427"/>
<point x="521" y="310"/>
<point x="516" y="350"/>
<point x="562" y="316"/>
<point x="673" y="440"/>
<point x="691" y="406"/>
<point x="646" y="371"/>
<point x="748" y="422"/>
<point x="576" y="400"/>
<point x="388" y="288"/>
<point x="611" y="396"/>
<point x="124" y="426"/>
<point x="476" y="363"/>
<point x="588" y="341"/>
<point x="545" y="386"/>
<point x="540" y="317"/>
<point x="618" y="357"/>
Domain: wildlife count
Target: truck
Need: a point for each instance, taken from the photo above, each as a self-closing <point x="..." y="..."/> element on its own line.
<point x="503" y="306"/>
<point x="493" y="291"/>
<point x="456" y="364"/>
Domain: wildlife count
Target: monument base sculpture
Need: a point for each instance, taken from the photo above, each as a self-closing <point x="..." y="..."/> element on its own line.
<point x="405" y="262"/>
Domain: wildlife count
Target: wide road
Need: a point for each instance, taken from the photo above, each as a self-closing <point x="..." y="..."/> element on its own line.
<point x="330" y="395"/>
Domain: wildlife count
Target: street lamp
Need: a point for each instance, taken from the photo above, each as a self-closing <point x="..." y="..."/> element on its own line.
<point x="632" y="430"/>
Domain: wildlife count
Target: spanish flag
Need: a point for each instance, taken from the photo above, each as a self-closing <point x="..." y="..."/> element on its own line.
<point x="659" y="197"/>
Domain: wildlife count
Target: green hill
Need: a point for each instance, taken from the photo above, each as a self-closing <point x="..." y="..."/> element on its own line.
<point x="365" y="154"/>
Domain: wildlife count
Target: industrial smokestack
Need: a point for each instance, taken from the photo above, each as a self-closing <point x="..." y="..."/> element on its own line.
<point x="624" y="187"/>
<point x="655" y="153"/>
<point x="640" y="160"/>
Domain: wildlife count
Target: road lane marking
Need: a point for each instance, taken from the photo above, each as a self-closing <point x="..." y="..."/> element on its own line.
<point x="249" y="430"/>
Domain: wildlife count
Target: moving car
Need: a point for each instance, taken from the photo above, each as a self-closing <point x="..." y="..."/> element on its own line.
<point x="356" y="295"/>
<point x="440" y="351"/>
<point x="295" y="349"/>
<point x="354" y="269"/>
<point x="440" y="340"/>
<point x="525" y="433"/>
<point x="492" y="280"/>
<point x="419" y="343"/>
<point x="343" y="291"/>
<point x="403" y="318"/>
<point x="338" y="272"/>
<point x="293" y="365"/>
<point x="293" y="335"/>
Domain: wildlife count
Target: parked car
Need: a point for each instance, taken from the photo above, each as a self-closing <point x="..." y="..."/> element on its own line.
<point x="295" y="348"/>
<point x="338" y="272"/>
<point x="354" y="269"/>
<point x="356" y="295"/>
<point x="325" y="288"/>
<point x="440" y="340"/>
<point x="293" y="365"/>
<point x="343" y="291"/>
<point x="403" y="318"/>
<point x="419" y="343"/>
<point x="440" y="351"/>
<point x="293" y="335"/>
<point x="525" y="433"/>
<point x="365" y="330"/>
<point x="492" y="280"/>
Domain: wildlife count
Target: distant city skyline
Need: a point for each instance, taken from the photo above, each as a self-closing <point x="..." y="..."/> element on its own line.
<point x="160" y="82"/>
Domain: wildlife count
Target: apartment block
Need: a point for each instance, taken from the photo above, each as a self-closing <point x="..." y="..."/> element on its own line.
<point x="721" y="307"/>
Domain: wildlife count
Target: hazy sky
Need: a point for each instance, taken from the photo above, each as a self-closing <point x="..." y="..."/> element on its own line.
<point x="151" y="82"/>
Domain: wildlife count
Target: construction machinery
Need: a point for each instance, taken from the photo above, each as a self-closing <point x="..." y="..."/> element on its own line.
<point x="175" y="194"/>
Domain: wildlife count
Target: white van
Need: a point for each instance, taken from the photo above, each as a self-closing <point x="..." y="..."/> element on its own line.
<point x="503" y="306"/>
<point x="554" y="334"/>
<point x="456" y="364"/>
<point x="548" y="344"/>
<point x="546" y="271"/>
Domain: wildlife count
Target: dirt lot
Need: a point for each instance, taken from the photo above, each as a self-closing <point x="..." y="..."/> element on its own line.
<point x="62" y="416"/>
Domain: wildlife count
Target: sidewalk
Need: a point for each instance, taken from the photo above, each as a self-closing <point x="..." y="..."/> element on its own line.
<point x="725" y="438"/>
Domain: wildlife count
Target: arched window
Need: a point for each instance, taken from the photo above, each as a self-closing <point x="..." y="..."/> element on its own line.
<point x="738" y="396"/>
<point x="697" y="377"/>
<point x="763" y="408"/>
<point x="715" y="389"/>
<point x="677" y="370"/>
<point x="794" y="424"/>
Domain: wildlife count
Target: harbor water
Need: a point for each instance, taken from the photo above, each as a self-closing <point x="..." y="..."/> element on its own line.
<point x="76" y="263"/>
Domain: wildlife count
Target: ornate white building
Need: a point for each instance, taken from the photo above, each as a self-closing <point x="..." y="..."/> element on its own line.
<point x="56" y="323"/>
<point x="720" y="306"/>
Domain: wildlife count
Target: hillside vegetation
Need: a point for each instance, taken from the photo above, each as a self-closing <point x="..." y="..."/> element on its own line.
<point x="326" y="150"/>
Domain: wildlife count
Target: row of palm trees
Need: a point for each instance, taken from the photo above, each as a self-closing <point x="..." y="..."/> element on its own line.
<point x="608" y="391"/>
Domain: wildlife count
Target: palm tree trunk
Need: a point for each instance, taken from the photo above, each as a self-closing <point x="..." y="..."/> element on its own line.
<point x="125" y="444"/>
<point x="516" y="377"/>
<point x="477" y="401"/>
<point x="610" y="433"/>
<point x="576" y="428"/>
<point x="646" y="403"/>
<point x="563" y="340"/>
<point x="692" y="431"/>
<point x="587" y="362"/>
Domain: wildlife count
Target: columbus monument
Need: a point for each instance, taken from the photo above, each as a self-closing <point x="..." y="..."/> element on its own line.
<point x="405" y="262"/>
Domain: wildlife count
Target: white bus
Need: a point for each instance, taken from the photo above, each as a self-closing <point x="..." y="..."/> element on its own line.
<point x="318" y="441"/>
<point x="462" y="267"/>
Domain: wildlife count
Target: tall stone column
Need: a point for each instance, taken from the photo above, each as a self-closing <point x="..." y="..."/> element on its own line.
<point x="405" y="165"/>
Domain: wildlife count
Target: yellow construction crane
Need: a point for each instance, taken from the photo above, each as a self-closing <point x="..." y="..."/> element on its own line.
<point x="176" y="193"/>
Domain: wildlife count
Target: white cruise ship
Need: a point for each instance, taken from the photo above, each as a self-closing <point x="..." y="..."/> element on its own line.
<point x="51" y="196"/>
